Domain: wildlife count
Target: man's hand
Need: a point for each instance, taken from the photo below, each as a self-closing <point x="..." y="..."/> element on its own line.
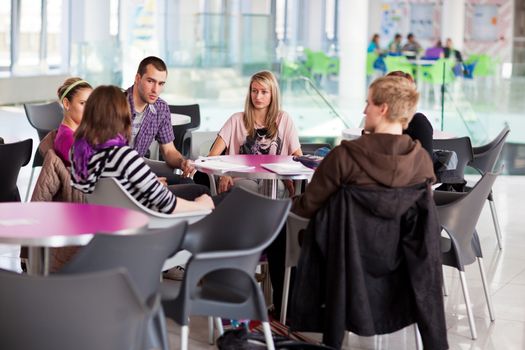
<point x="187" y="167"/>
<point x="225" y="183"/>
<point x="205" y="201"/>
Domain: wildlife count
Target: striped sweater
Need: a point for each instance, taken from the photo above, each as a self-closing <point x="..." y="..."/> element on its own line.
<point x="127" y="167"/>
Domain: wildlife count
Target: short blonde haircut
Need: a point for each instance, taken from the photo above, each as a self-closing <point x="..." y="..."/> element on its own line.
<point x="267" y="79"/>
<point x="399" y="94"/>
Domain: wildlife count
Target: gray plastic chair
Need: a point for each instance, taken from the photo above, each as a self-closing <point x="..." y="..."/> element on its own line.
<point x="13" y="156"/>
<point x="100" y="311"/>
<point x="485" y="159"/>
<point x="44" y="118"/>
<point x="143" y="255"/>
<point x="458" y="214"/>
<point x="294" y="224"/>
<point x="226" y="247"/>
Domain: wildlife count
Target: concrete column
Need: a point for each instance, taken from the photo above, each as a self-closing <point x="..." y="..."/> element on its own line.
<point x="314" y="12"/>
<point x="453" y="22"/>
<point x="353" y="30"/>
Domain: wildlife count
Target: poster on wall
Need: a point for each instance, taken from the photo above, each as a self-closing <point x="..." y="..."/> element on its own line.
<point x="421" y="20"/>
<point x="485" y="23"/>
<point x="391" y="20"/>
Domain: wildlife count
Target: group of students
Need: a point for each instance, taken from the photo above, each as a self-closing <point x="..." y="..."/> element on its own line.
<point x="106" y="132"/>
<point x="411" y="48"/>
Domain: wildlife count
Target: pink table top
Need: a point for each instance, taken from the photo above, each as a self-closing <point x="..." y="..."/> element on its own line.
<point x="54" y="224"/>
<point x="256" y="171"/>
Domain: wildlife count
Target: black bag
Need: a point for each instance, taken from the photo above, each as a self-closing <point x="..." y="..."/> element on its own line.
<point x="241" y="339"/>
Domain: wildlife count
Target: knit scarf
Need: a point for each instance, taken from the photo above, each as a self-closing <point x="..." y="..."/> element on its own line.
<point x="83" y="150"/>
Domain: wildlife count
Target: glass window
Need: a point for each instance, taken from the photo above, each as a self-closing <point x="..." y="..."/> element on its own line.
<point x="54" y="24"/>
<point x="5" y="34"/>
<point x="29" y="39"/>
<point x="114" y="18"/>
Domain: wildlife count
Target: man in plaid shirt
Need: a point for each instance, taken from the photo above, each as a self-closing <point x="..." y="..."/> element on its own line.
<point x="150" y="115"/>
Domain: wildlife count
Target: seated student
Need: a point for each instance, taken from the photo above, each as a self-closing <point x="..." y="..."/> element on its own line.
<point x="435" y="52"/>
<point x="373" y="46"/>
<point x="101" y="150"/>
<point x="419" y="127"/>
<point x="394" y="48"/>
<point x="449" y="51"/>
<point x="411" y="48"/>
<point x="263" y="128"/>
<point x="382" y="156"/>
<point x="73" y="94"/>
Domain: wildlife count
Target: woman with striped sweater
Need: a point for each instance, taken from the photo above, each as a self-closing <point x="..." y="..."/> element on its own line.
<point x="101" y="150"/>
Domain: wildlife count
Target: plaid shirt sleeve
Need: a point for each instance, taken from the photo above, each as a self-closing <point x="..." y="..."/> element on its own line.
<point x="165" y="129"/>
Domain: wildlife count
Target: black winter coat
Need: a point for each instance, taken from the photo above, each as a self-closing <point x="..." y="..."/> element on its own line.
<point x="371" y="264"/>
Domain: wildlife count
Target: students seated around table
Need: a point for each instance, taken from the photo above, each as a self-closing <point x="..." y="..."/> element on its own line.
<point x="101" y="150"/>
<point x="262" y="128"/>
<point x="73" y="94"/>
<point x="411" y="48"/>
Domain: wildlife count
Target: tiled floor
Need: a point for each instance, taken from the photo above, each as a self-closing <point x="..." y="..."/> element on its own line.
<point x="505" y="270"/>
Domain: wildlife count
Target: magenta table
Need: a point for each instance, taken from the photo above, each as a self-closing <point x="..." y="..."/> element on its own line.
<point x="256" y="171"/>
<point x="41" y="225"/>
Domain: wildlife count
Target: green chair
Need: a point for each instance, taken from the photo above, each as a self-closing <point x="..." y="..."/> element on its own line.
<point x="371" y="57"/>
<point x="484" y="67"/>
<point x="433" y="74"/>
<point x="398" y="63"/>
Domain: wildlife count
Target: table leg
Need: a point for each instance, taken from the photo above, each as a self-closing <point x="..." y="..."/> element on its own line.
<point x="270" y="188"/>
<point x="38" y="261"/>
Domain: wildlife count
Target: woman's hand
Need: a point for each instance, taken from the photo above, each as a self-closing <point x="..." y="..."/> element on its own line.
<point x="225" y="183"/>
<point x="289" y="185"/>
<point x="205" y="201"/>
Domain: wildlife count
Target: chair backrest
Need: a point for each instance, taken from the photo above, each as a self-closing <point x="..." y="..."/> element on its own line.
<point x="201" y="143"/>
<point x="88" y="311"/>
<point x="244" y="221"/>
<point x="180" y="131"/>
<point x="486" y="156"/>
<point x="109" y="191"/>
<point x="13" y="156"/>
<point x="459" y="217"/>
<point x="463" y="148"/>
<point x="44" y="117"/>
<point x="142" y="255"/>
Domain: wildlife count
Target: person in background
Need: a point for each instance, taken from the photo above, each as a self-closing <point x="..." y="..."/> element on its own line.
<point x="263" y="128"/>
<point x="151" y="118"/>
<point x="374" y="44"/>
<point x="435" y="52"/>
<point x="419" y="127"/>
<point x="73" y="94"/>
<point x="101" y="150"/>
<point x="412" y="48"/>
<point x="450" y="51"/>
<point x="394" y="48"/>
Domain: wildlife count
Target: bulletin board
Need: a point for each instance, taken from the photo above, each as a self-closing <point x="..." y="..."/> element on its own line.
<point x="485" y="23"/>
<point x="421" y="20"/>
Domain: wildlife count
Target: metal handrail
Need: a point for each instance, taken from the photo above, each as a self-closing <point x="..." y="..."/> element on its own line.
<point x="323" y="97"/>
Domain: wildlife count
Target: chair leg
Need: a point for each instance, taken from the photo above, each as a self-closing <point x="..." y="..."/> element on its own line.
<point x="470" y="316"/>
<point x="496" y="223"/>
<point x="211" y="336"/>
<point x="162" y="330"/>
<point x="286" y="291"/>
<point x="268" y="336"/>
<point x="445" y="289"/>
<point x="218" y="324"/>
<point x="29" y="185"/>
<point x="419" y="342"/>
<point x="184" y="335"/>
<point x="486" y="289"/>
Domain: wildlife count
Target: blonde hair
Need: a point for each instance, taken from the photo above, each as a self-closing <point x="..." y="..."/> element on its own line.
<point x="73" y="84"/>
<point x="267" y="79"/>
<point x="399" y="94"/>
<point x="106" y="115"/>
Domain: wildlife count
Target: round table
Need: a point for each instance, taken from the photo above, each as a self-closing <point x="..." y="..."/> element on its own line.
<point x="41" y="225"/>
<point x="254" y="169"/>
